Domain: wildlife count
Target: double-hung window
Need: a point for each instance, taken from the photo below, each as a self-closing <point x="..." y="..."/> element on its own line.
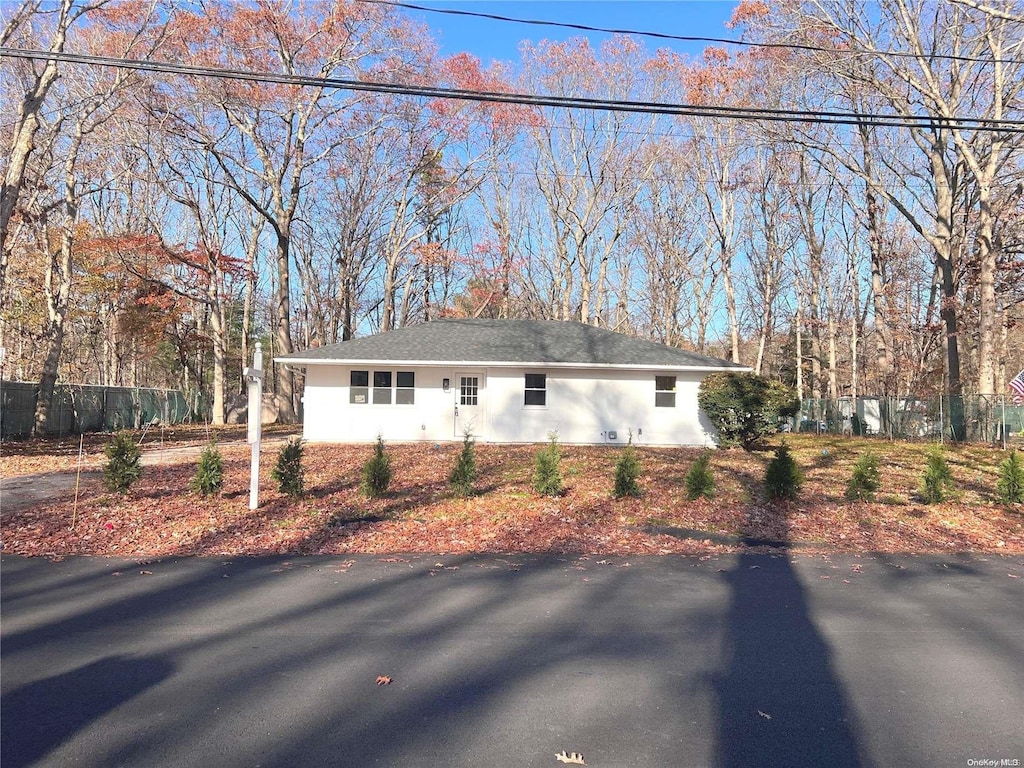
<point x="359" y="387"/>
<point x="535" y="392"/>
<point x="382" y="387"/>
<point x="405" y="388"/>
<point x="665" y="391"/>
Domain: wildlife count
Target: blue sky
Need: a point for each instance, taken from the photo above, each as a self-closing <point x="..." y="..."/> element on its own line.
<point x="492" y="40"/>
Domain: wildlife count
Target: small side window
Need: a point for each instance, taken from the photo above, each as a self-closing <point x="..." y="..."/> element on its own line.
<point x="536" y="389"/>
<point x="358" y="387"/>
<point x="665" y="391"/>
<point x="382" y="387"/>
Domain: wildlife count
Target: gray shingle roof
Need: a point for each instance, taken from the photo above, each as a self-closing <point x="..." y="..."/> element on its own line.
<point x="507" y="341"/>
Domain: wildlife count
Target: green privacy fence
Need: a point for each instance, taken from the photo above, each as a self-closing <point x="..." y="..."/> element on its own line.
<point x="77" y="408"/>
<point x="975" y="418"/>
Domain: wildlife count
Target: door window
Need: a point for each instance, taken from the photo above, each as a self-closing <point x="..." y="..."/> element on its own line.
<point x="469" y="390"/>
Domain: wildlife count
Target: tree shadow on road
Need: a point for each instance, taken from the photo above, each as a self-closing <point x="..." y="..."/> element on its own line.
<point x="781" y="701"/>
<point x="40" y="716"/>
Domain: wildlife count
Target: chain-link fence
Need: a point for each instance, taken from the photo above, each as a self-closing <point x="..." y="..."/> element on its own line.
<point x="77" y="408"/>
<point x="977" y="418"/>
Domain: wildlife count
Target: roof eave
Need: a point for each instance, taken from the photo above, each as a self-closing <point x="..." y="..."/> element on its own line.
<point x="305" y="362"/>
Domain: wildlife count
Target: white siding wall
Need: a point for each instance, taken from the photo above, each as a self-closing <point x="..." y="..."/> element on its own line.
<point x="582" y="406"/>
<point x="330" y="418"/>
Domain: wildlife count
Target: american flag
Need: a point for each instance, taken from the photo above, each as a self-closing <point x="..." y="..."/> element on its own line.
<point x="1017" y="388"/>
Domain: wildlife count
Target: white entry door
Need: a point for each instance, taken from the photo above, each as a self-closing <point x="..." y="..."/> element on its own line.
<point x="469" y="394"/>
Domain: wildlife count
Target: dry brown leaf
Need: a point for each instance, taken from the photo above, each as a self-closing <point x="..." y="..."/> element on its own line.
<point x="573" y="758"/>
<point x="383" y="680"/>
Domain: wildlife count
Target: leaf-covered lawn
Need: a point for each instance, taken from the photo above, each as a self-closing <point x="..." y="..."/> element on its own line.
<point x="61" y="454"/>
<point x="161" y="517"/>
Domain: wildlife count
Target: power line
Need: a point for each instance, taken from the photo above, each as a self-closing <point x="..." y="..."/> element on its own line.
<point x="684" y="38"/>
<point x="526" y="99"/>
<point x="682" y="133"/>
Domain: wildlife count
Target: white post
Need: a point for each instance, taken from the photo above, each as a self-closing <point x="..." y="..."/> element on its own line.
<point x="254" y="376"/>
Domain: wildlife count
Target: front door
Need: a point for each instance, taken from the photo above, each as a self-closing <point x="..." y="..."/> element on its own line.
<point x="469" y="404"/>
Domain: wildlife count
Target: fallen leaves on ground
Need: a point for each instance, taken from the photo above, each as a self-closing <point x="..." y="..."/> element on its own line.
<point x="383" y="680"/>
<point x="61" y="453"/>
<point x="161" y="517"/>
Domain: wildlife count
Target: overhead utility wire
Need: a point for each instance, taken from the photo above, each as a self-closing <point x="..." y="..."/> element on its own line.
<point x="6" y="125"/>
<point x="684" y="38"/>
<point x="656" y="108"/>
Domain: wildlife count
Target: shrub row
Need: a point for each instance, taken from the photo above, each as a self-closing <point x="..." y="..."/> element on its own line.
<point x="783" y="476"/>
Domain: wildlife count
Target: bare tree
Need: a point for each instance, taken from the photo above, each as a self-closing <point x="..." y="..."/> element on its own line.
<point x="589" y="168"/>
<point x="271" y="139"/>
<point x="20" y="27"/>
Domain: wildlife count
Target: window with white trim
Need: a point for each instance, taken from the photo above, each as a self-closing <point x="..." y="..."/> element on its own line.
<point x="405" y="388"/>
<point x="382" y="387"/>
<point x="388" y="387"/>
<point x="359" y="387"/>
<point x="665" y="391"/>
<point x="535" y="392"/>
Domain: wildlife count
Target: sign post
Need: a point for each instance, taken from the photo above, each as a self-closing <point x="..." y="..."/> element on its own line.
<point x="254" y="376"/>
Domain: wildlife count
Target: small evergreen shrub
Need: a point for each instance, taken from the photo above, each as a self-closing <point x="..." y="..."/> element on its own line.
<point x="124" y="462"/>
<point x="547" y="474"/>
<point x="700" y="483"/>
<point x="865" y="479"/>
<point x="937" y="480"/>
<point x="627" y="472"/>
<point x="464" y="473"/>
<point x="377" y="471"/>
<point x="1010" y="486"/>
<point x="209" y="477"/>
<point x="783" y="478"/>
<point x="288" y="470"/>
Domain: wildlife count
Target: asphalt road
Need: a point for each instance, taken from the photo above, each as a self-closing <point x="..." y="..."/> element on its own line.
<point x="741" y="660"/>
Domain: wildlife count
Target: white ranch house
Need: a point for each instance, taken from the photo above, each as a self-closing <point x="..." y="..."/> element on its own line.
<point x="504" y="381"/>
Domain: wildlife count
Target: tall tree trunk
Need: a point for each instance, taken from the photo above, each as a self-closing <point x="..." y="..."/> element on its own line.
<point x="26" y="126"/>
<point x="218" y="335"/>
<point x="58" y="285"/>
<point x="799" y="354"/>
<point x="855" y="326"/>
<point x="249" y="297"/>
<point x="883" y="333"/>
<point x="388" y="293"/>
<point x="833" y="373"/>
<point x="286" y="378"/>
<point x="987" y="307"/>
<point x="730" y="303"/>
